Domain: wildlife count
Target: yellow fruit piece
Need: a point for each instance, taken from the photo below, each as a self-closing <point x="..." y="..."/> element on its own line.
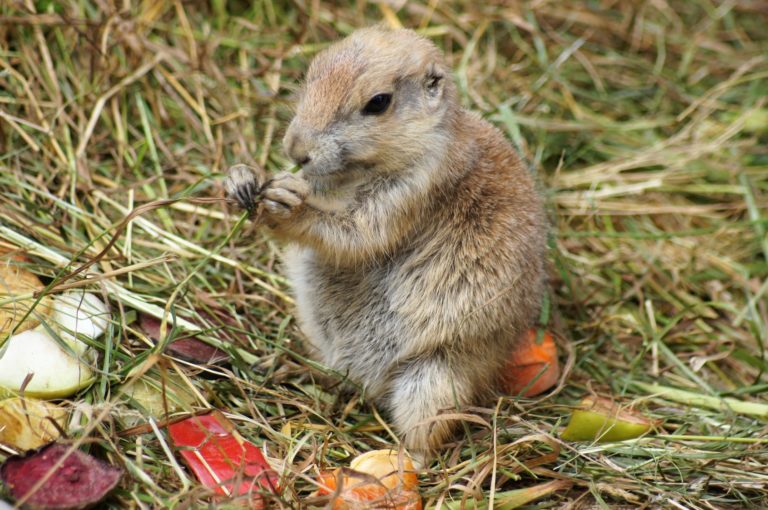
<point x="27" y="423"/>
<point x="17" y="286"/>
<point x="392" y="469"/>
<point x="602" y="420"/>
<point x="150" y="399"/>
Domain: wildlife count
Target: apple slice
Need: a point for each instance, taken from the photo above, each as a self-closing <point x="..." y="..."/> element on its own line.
<point x="17" y="286"/>
<point x="385" y="465"/>
<point x="155" y="394"/>
<point x="54" y="373"/>
<point x="78" y="314"/>
<point x="27" y="423"/>
<point x="601" y="420"/>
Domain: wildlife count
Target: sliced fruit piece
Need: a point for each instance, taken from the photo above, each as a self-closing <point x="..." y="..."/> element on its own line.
<point x="58" y="477"/>
<point x="79" y="313"/>
<point x="533" y="367"/>
<point x="601" y="420"/>
<point x="17" y="286"/>
<point x="375" y="479"/>
<point x="54" y="373"/>
<point x="222" y="459"/>
<point x="154" y="394"/>
<point x="360" y="492"/>
<point x="27" y="423"/>
<point x="387" y="465"/>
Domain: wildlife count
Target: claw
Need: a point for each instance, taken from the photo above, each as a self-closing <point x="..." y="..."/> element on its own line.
<point x="242" y="185"/>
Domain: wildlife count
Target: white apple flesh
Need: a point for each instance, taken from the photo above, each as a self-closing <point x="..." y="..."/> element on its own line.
<point x="54" y="373"/>
<point x="79" y="313"/>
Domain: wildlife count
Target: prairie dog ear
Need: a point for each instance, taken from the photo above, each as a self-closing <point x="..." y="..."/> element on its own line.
<point x="434" y="83"/>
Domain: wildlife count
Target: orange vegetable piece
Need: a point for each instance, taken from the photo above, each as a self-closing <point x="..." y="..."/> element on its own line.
<point x="533" y="367"/>
<point x="8" y="252"/>
<point x="394" y="488"/>
<point x="327" y="482"/>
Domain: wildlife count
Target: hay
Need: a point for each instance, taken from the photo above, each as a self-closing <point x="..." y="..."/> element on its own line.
<point x="646" y="121"/>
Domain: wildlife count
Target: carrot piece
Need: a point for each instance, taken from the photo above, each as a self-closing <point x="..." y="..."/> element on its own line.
<point x="326" y="482"/>
<point x="533" y="367"/>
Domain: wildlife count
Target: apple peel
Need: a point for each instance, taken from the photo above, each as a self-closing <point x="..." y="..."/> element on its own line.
<point x="188" y="348"/>
<point x="154" y="397"/>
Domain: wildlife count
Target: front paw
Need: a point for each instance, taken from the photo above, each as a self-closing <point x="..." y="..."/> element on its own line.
<point x="243" y="186"/>
<point x="284" y="196"/>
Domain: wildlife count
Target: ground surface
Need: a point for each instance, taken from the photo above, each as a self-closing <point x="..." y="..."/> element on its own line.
<point x="647" y="123"/>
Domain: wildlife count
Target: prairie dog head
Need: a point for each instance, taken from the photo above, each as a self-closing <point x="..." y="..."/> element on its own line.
<point x="375" y="102"/>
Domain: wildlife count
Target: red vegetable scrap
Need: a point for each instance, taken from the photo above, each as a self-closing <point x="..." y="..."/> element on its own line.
<point x="188" y="348"/>
<point x="197" y="351"/>
<point x="222" y="459"/>
<point x="80" y="481"/>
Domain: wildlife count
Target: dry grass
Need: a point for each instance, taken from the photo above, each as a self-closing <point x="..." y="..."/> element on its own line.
<point x="647" y="122"/>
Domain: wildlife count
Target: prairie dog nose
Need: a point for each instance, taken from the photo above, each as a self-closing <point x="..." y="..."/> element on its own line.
<point x="298" y="144"/>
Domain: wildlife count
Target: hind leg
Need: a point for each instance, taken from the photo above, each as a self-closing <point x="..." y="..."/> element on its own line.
<point x="420" y="391"/>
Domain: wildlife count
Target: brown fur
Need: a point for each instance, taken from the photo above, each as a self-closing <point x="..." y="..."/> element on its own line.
<point x="416" y="237"/>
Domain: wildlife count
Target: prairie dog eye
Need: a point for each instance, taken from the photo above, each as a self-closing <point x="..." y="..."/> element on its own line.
<point x="378" y="104"/>
<point x="433" y="81"/>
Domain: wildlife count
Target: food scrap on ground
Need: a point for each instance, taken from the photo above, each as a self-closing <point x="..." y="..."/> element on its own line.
<point x="58" y="477"/>
<point x="222" y="459"/>
<point x="27" y="423"/>
<point x="158" y="394"/>
<point x="187" y="348"/>
<point x="375" y="479"/>
<point x="19" y="309"/>
<point x="602" y="420"/>
<point x="46" y="355"/>
<point x="77" y="316"/>
<point x="533" y="367"/>
<point x="34" y="363"/>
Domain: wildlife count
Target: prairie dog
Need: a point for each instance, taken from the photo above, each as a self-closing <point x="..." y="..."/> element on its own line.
<point x="416" y="237"/>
